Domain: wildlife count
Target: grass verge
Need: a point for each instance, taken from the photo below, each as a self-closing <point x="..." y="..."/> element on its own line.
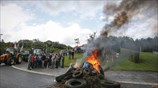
<point x="68" y="61"/>
<point x="148" y="62"/>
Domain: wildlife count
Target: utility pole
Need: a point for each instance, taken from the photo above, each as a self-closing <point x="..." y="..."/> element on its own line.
<point x="77" y="41"/>
<point x="0" y="37"/>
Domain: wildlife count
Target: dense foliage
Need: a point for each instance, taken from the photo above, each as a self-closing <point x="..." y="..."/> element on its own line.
<point x="48" y="46"/>
<point x="116" y="43"/>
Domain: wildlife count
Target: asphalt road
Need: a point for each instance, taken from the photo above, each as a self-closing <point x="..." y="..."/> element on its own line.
<point x="12" y="78"/>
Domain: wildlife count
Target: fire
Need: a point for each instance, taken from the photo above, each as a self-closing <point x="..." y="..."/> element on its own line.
<point x="94" y="60"/>
<point x="77" y="65"/>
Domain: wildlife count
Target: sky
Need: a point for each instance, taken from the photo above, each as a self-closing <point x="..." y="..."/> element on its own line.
<point x="59" y="21"/>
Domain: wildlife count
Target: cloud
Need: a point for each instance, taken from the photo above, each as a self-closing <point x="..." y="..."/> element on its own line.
<point x="14" y="27"/>
<point x="12" y="17"/>
<point x="85" y="9"/>
<point x="56" y="32"/>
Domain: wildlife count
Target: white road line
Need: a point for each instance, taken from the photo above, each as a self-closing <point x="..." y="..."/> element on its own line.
<point x="41" y="73"/>
<point x="140" y="83"/>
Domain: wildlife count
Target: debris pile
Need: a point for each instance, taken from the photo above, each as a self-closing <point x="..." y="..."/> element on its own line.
<point x="88" y="75"/>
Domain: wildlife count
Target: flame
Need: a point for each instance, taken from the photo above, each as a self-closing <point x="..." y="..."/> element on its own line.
<point x="77" y="65"/>
<point x="94" y="60"/>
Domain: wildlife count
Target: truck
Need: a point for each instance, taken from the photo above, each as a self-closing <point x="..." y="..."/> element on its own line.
<point x="36" y="51"/>
<point x="11" y="56"/>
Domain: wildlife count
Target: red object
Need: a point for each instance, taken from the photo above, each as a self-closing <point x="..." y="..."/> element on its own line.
<point x="33" y="58"/>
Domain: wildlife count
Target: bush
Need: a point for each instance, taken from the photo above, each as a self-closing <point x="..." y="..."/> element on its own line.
<point x="135" y="57"/>
<point x="131" y="54"/>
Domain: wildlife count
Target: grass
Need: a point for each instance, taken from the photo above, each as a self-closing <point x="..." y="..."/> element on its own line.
<point x="148" y="62"/>
<point x="68" y="61"/>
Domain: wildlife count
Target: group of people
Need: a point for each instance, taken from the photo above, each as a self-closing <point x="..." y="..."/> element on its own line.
<point x="70" y="53"/>
<point x="53" y="60"/>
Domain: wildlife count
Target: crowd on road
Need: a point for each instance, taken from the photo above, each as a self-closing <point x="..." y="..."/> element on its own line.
<point x="51" y="60"/>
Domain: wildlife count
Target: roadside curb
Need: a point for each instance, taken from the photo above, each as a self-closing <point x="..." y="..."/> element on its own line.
<point x="42" y="73"/>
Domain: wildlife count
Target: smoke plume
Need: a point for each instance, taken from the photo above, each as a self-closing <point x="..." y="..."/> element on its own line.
<point x="129" y="15"/>
<point x="127" y="11"/>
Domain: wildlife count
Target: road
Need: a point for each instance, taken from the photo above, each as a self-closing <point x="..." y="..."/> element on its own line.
<point x="12" y="78"/>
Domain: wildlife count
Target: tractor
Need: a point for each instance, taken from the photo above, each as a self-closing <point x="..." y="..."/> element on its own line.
<point x="11" y="56"/>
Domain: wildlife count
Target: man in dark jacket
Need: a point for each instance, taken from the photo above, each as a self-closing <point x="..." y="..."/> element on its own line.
<point x="62" y="60"/>
<point x="57" y="60"/>
<point x="49" y="60"/>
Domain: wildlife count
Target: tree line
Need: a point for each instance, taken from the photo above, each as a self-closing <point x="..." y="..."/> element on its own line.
<point x="116" y="43"/>
<point x="111" y="42"/>
<point x="35" y="43"/>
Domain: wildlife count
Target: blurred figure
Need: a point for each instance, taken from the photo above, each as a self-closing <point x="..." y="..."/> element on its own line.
<point x="49" y="60"/>
<point x="53" y="60"/>
<point x="62" y="60"/>
<point x="72" y="53"/>
<point x="29" y="62"/>
<point x="45" y="59"/>
<point x="69" y="51"/>
<point x="33" y="59"/>
<point x="57" y="60"/>
<point x="39" y="60"/>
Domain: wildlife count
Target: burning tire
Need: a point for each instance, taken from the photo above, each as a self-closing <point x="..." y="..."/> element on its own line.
<point x="60" y="78"/>
<point x="77" y="74"/>
<point x="101" y="71"/>
<point x="109" y="84"/>
<point x="65" y="76"/>
<point x="75" y="83"/>
<point x="87" y="71"/>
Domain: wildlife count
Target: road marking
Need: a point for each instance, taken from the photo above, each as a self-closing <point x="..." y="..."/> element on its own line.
<point x="41" y="73"/>
<point x="142" y="83"/>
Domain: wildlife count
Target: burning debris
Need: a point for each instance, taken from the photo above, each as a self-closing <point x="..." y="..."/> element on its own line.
<point x="88" y="75"/>
<point x="93" y="59"/>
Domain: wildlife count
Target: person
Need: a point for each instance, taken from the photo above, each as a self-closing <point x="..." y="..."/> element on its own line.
<point x="45" y="61"/>
<point x="57" y="60"/>
<point x="39" y="60"/>
<point x="53" y="60"/>
<point x="43" y="57"/>
<point x="69" y="54"/>
<point x="33" y="59"/>
<point x="36" y="61"/>
<point x="72" y="53"/>
<point x="29" y="62"/>
<point x="62" y="60"/>
<point x="49" y="60"/>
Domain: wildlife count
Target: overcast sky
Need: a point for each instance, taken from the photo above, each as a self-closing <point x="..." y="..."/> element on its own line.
<point x="61" y="21"/>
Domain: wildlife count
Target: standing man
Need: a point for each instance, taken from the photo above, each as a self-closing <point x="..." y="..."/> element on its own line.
<point x="33" y="59"/>
<point x="69" y="51"/>
<point x="50" y="60"/>
<point x="29" y="62"/>
<point x="62" y="60"/>
<point x="53" y="60"/>
<point x="45" y="61"/>
<point x="72" y="53"/>
<point x="57" y="60"/>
